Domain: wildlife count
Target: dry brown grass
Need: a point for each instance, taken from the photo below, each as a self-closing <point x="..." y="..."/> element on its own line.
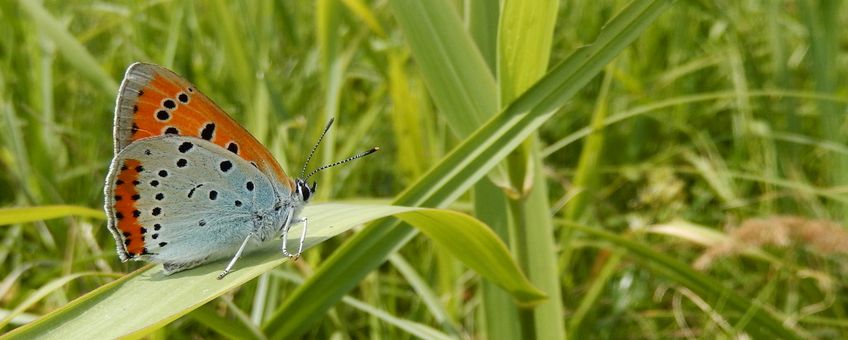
<point x="822" y="237"/>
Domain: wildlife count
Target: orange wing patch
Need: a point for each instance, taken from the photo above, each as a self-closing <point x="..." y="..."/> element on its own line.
<point x="126" y="215"/>
<point x="155" y="102"/>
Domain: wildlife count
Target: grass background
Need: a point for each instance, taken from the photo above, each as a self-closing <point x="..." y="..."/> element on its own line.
<point x="719" y="116"/>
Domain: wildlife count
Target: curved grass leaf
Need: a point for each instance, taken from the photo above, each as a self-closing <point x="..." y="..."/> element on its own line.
<point x="147" y="299"/>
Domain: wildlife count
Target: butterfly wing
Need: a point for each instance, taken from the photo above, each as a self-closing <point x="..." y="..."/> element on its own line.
<point x="153" y="101"/>
<point x="183" y="201"/>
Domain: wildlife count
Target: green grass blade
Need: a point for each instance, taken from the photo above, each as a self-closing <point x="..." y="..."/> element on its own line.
<point x="425" y="293"/>
<point x="31" y="214"/>
<point x="456" y="75"/>
<point x="477" y="247"/>
<point x="823" y="23"/>
<point x="333" y="66"/>
<point x="239" y="66"/>
<point x="414" y="328"/>
<point x="103" y="313"/>
<point x="481" y="17"/>
<point x="208" y="316"/>
<point x="417" y="329"/>
<point x="361" y="10"/>
<point x="522" y="61"/>
<point x="591" y="296"/>
<point x="455" y="174"/>
<point x="590" y="156"/>
<point x="73" y="51"/>
<point x="407" y="121"/>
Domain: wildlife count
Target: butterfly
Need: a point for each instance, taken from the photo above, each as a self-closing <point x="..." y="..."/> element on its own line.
<point x="188" y="184"/>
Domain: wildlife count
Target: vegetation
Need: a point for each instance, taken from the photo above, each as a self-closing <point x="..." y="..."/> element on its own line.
<point x="658" y="169"/>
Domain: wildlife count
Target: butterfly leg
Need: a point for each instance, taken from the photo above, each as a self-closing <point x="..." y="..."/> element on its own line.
<point x="285" y="235"/>
<point x="302" y="235"/>
<point x="235" y="258"/>
<point x="289" y="222"/>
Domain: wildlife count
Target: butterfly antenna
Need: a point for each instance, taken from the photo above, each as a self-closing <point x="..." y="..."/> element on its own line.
<point x="366" y="153"/>
<point x="303" y="171"/>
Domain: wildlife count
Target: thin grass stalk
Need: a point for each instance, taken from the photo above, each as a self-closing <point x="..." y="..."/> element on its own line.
<point x="540" y="261"/>
<point x="590" y="299"/>
<point x="821" y="19"/>
<point x="520" y="63"/>
<point x="406" y="121"/>
<point x="782" y="79"/>
<point x="327" y="23"/>
<point x="498" y="311"/>
<point x="586" y="175"/>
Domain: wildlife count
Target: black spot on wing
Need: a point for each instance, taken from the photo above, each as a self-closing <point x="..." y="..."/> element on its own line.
<point x="208" y="131"/>
<point x="169" y="104"/>
<point x="226" y="166"/>
<point x="233" y="147"/>
<point x="185" y="146"/>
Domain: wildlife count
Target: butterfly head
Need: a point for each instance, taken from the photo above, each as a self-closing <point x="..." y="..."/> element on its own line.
<point x="303" y="190"/>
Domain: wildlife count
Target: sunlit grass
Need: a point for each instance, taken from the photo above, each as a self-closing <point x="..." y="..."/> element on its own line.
<point x="717" y="114"/>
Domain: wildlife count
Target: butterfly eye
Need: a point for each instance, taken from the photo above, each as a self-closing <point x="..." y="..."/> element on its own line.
<point x="302" y="189"/>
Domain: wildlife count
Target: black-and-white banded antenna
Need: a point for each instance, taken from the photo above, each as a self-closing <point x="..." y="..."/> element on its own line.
<point x="308" y="158"/>
<point x="366" y="153"/>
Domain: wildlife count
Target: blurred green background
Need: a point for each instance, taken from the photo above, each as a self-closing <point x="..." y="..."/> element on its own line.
<point x="708" y="157"/>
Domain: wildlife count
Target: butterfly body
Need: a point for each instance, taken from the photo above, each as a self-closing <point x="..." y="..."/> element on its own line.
<point x="188" y="185"/>
<point x="188" y="209"/>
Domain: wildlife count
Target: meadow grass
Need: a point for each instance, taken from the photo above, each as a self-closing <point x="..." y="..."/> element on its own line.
<point x="680" y="177"/>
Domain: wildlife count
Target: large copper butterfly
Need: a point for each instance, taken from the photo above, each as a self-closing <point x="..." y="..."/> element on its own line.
<point x="188" y="185"/>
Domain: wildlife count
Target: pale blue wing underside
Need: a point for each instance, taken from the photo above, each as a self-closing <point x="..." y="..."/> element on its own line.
<point x="197" y="201"/>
